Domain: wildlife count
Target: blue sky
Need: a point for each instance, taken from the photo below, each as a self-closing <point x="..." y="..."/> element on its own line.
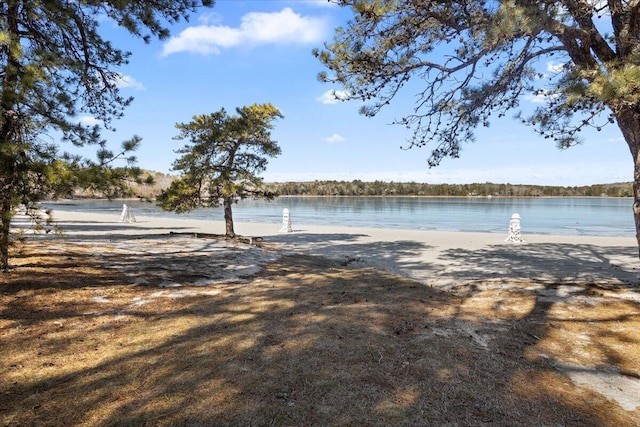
<point x="243" y="52"/>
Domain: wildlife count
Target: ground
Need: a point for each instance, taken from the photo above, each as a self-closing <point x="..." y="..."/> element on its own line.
<point x="177" y="330"/>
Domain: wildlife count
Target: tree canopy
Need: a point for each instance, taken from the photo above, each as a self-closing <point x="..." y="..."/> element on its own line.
<point x="54" y="67"/>
<point x="479" y="59"/>
<point x="222" y="160"/>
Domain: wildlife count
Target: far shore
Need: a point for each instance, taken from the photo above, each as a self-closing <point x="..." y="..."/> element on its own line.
<point x="284" y="196"/>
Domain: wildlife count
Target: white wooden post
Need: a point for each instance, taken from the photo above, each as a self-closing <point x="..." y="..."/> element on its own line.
<point x="126" y="215"/>
<point x="514" y="229"/>
<point x="286" y="222"/>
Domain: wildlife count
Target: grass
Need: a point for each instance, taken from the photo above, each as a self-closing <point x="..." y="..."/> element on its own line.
<point x="307" y="341"/>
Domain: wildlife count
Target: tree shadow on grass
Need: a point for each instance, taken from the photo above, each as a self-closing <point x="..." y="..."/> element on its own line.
<point x="307" y="342"/>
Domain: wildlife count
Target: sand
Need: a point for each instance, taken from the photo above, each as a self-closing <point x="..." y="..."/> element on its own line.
<point x="436" y="258"/>
<point x="554" y="267"/>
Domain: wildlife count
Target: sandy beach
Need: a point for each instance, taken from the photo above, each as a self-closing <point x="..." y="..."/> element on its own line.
<point x="436" y="258"/>
<point x="538" y="290"/>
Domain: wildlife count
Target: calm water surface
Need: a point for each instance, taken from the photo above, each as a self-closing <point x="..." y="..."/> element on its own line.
<point x="593" y="216"/>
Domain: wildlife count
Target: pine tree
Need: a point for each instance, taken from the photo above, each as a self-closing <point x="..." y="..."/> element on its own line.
<point x="54" y="66"/>
<point x="222" y="160"/>
<point x="479" y="59"/>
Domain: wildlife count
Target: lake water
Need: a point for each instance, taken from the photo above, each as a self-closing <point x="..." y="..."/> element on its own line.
<point x="591" y="216"/>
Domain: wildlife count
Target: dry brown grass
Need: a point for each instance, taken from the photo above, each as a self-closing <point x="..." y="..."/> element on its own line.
<point x="308" y="341"/>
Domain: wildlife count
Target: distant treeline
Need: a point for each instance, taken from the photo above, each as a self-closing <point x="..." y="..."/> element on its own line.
<point x="381" y="188"/>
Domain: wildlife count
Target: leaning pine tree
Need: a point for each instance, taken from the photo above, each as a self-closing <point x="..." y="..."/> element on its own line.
<point x="55" y="67"/>
<point x="477" y="58"/>
<point x="222" y="160"/>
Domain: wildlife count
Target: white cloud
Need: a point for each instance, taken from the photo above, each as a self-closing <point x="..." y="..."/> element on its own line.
<point x="617" y="140"/>
<point x="89" y="121"/>
<point x="203" y="39"/>
<point x="256" y="28"/>
<point x="321" y="3"/>
<point x="209" y="18"/>
<point x="554" y="67"/>
<point x="541" y="97"/>
<point x="124" y="81"/>
<point x="335" y="138"/>
<point x="333" y="96"/>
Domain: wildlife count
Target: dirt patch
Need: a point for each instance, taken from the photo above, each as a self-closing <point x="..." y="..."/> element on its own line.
<point x="180" y="331"/>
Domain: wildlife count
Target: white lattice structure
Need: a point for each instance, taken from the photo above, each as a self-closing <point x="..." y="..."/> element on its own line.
<point x="286" y="222"/>
<point x="126" y="215"/>
<point x="514" y="230"/>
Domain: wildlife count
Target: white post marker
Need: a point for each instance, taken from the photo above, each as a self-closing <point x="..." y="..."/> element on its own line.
<point x="126" y="215"/>
<point x="514" y="229"/>
<point x="286" y="222"/>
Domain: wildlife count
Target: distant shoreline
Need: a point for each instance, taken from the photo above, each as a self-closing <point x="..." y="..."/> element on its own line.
<point x="384" y="189"/>
<point x="397" y="188"/>
<point x="455" y="197"/>
<point x="63" y="201"/>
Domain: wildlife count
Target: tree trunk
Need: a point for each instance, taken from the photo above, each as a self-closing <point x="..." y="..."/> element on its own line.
<point x="629" y="124"/>
<point x="636" y="200"/>
<point x="9" y="134"/>
<point x="9" y="127"/>
<point x="5" y="226"/>
<point x="228" y="217"/>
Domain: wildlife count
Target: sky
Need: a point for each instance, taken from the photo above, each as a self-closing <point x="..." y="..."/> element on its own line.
<point x="243" y="52"/>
